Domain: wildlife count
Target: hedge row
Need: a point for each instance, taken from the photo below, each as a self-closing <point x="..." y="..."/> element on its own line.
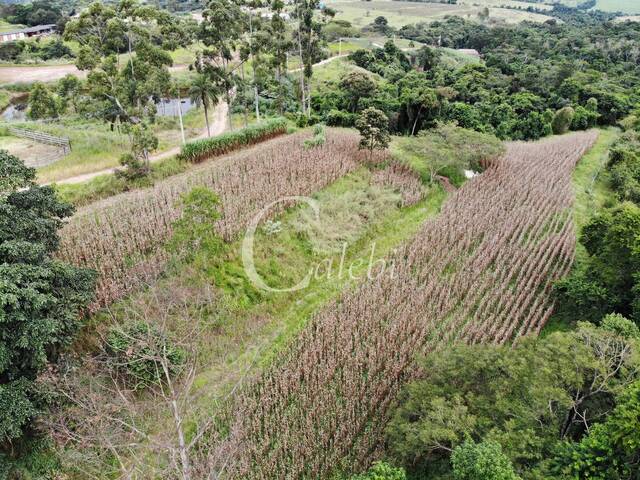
<point x="200" y="150"/>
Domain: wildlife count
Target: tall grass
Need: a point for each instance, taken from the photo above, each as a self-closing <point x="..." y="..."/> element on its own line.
<point x="200" y="150"/>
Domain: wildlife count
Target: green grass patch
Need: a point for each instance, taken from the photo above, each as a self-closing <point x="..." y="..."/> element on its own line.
<point x="200" y="150"/>
<point x="367" y="218"/>
<point x="592" y="192"/>
<point x="625" y="6"/>
<point x="590" y="180"/>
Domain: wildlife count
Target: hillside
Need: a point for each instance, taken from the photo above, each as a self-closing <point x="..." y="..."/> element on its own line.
<point x="341" y="240"/>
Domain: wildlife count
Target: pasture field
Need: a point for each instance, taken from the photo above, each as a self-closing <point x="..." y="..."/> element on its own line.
<point x="624" y="6"/>
<point x="479" y="272"/>
<point x="506" y="3"/>
<point x="399" y="13"/>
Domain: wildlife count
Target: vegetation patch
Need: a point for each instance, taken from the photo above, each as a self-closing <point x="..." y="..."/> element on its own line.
<point x="227" y="142"/>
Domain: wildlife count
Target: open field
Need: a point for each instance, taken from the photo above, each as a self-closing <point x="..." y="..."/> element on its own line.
<point x="624" y="6"/>
<point x="479" y="272"/>
<point x="506" y="3"/>
<point x="400" y="13"/>
<point x="8" y="27"/>
<point x="95" y="147"/>
<point x="629" y="18"/>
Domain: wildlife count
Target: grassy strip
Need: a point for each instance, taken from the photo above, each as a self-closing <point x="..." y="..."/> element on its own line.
<point x="591" y="180"/>
<point x="592" y="192"/>
<point x="200" y="150"/>
<point x="108" y="185"/>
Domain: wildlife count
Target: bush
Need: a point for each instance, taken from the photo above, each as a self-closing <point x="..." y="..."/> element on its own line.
<point x="562" y="120"/>
<point x="339" y="118"/>
<point x="481" y="461"/>
<point x="382" y="471"/>
<point x="142" y="352"/>
<point x="210" y="147"/>
<point x="318" y="137"/>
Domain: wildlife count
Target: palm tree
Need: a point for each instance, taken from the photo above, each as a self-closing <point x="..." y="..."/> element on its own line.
<point x="204" y="92"/>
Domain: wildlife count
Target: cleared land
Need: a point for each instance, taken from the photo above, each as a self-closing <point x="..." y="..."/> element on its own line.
<point x="624" y="6"/>
<point x="399" y="13"/>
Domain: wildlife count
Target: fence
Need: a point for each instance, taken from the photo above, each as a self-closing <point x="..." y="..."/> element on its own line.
<point x="62" y="142"/>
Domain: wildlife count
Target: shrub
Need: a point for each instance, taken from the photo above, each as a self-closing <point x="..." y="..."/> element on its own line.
<point x="227" y="142"/>
<point x="338" y="118"/>
<point x="481" y="461"/>
<point x="382" y="471"/>
<point x="144" y="354"/>
<point x="562" y="120"/>
<point x="318" y="137"/>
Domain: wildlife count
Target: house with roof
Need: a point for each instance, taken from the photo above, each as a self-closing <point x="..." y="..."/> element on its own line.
<point x="25" y="33"/>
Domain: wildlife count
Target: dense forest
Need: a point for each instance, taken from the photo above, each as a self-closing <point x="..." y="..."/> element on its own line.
<point x="535" y="79"/>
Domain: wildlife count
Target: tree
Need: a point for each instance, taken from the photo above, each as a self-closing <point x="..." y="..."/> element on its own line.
<point x="428" y="58"/>
<point x="382" y="471"/>
<point x="220" y="31"/>
<point x="562" y="120"/>
<point x="355" y="86"/>
<point x="309" y="39"/>
<point x="42" y="103"/>
<point x="279" y="44"/>
<point x="481" y="461"/>
<point x="608" y="283"/>
<point x="373" y="126"/>
<point x="611" y="450"/>
<point x="41" y="297"/>
<point x="529" y="398"/>
<point x="204" y="92"/>
<point x="381" y="25"/>
<point x="126" y="94"/>
<point x="137" y="162"/>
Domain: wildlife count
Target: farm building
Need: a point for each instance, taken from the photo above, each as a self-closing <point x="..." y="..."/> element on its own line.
<point x="37" y="31"/>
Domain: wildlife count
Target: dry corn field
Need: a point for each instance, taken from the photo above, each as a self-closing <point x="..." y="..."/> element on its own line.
<point x="479" y="272"/>
<point x="123" y="238"/>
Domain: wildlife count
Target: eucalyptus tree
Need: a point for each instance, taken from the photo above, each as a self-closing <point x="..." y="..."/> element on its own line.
<point x="279" y="44"/>
<point x="124" y="48"/>
<point x="220" y="31"/>
<point x="309" y="39"/>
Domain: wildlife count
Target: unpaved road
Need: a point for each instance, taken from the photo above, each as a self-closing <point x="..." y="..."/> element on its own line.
<point x="48" y="73"/>
<point x="217" y="121"/>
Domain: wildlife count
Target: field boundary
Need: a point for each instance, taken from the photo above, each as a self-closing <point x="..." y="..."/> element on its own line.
<point x="63" y="142"/>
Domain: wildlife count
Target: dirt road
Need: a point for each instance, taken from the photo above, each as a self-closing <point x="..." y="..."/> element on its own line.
<point x="218" y="122"/>
<point x="48" y="73"/>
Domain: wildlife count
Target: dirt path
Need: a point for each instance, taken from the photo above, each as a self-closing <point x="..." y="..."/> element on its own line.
<point x="218" y="122"/>
<point x="323" y="62"/>
<point x="48" y="73"/>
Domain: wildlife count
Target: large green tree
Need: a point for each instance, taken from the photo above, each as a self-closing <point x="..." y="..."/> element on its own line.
<point x="608" y="279"/>
<point x="530" y="398"/>
<point x="40" y="297"/>
<point x="124" y="48"/>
